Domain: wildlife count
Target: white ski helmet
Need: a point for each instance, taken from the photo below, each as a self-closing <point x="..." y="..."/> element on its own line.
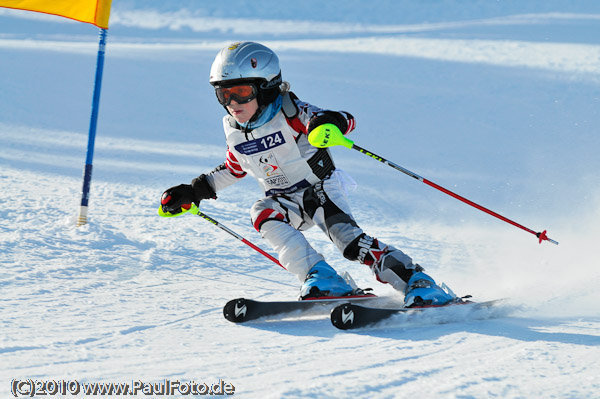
<point x="252" y="62"/>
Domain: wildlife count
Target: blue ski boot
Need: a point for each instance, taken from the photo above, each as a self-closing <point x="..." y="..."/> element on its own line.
<point x="421" y="290"/>
<point x="323" y="281"/>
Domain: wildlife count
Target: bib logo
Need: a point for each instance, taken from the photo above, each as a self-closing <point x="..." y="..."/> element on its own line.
<point x="274" y="176"/>
<point x="268" y="164"/>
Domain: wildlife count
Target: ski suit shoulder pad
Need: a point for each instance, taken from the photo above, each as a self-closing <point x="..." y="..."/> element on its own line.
<point x="288" y="105"/>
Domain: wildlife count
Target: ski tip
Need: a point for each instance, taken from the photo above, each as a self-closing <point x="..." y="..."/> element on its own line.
<point x="236" y="310"/>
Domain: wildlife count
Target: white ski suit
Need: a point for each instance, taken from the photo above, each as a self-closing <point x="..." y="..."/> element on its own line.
<point x="302" y="189"/>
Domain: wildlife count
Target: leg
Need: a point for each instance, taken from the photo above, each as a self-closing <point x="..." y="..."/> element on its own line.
<point x="277" y="220"/>
<point x="326" y="204"/>
<point x="390" y="265"/>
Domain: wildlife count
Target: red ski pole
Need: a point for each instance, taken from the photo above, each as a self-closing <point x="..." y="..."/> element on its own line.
<point x="329" y="135"/>
<point x="239" y="237"/>
<point x="192" y="208"/>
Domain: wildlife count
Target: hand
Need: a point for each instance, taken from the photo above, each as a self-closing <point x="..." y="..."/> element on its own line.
<point x="327" y="129"/>
<point x="178" y="197"/>
<point x="328" y="135"/>
<point x="326" y="117"/>
<point x="183" y="195"/>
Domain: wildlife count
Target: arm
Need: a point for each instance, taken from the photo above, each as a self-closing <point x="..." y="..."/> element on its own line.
<point x="226" y="174"/>
<point x="311" y="116"/>
<point x="202" y="187"/>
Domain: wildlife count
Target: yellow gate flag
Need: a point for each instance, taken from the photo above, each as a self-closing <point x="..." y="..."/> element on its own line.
<point x="94" y="12"/>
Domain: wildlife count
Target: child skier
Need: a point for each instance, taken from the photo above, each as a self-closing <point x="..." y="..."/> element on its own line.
<point x="266" y="132"/>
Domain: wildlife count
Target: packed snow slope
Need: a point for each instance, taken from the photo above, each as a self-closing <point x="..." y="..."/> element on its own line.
<point x="496" y="100"/>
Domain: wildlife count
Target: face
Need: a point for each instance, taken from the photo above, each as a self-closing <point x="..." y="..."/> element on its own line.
<point x="242" y="112"/>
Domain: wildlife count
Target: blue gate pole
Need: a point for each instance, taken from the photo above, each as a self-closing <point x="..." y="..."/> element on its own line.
<point x="87" y="173"/>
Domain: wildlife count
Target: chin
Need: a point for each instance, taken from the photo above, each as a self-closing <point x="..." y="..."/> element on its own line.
<point x="241" y="120"/>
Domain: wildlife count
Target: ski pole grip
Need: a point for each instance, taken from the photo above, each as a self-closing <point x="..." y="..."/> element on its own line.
<point x="328" y="135"/>
<point x="187" y="208"/>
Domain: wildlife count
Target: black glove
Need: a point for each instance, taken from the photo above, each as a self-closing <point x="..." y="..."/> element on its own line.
<point x="202" y="189"/>
<point x="324" y="117"/>
<point x="174" y="198"/>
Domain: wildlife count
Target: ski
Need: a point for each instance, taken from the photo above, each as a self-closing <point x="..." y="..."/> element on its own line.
<point x="348" y="316"/>
<point x="241" y="310"/>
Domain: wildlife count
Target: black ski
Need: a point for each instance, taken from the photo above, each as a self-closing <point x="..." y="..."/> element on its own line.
<point x="350" y="315"/>
<point x="241" y="309"/>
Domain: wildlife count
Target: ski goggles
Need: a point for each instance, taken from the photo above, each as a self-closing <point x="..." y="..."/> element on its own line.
<point x="242" y="94"/>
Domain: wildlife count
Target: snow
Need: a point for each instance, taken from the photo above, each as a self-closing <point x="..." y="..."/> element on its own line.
<point x="498" y="101"/>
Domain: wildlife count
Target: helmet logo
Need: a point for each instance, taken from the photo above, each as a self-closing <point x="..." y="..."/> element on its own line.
<point x="234" y="46"/>
<point x="253" y="62"/>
